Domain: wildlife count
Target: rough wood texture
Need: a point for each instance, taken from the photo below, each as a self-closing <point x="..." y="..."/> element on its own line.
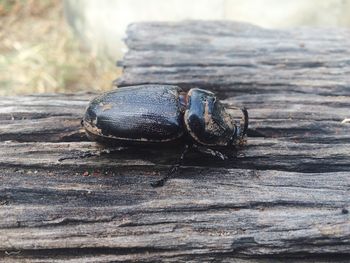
<point x="285" y="195"/>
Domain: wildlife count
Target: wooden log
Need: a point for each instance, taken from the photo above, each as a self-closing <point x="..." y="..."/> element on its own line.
<point x="238" y="58"/>
<point x="284" y="196"/>
<point x="228" y="211"/>
<point x="271" y="115"/>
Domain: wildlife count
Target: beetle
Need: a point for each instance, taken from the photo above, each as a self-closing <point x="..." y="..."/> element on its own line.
<point x="163" y="115"/>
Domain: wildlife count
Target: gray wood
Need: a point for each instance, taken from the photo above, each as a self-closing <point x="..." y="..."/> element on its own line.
<point x="284" y="197"/>
<point x="238" y="58"/>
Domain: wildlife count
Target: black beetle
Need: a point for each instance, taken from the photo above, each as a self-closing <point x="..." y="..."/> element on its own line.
<point x="164" y="114"/>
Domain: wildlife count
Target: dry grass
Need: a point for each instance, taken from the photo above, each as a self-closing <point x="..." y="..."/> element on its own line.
<point x="38" y="52"/>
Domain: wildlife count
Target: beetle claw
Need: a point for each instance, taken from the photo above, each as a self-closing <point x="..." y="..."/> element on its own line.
<point x="221" y="156"/>
<point x="173" y="170"/>
<point x="162" y="181"/>
<point x="218" y="154"/>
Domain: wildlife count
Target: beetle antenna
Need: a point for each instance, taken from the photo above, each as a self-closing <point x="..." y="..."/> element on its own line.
<point x="174" y="169"/>
<point x="245" y="121"/>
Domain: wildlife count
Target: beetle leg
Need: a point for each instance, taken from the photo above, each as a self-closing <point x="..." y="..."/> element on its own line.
<point x="78" y="156"/>
<point x="245" y="121"/>
<point x="173" y="169"/>
<point x="211" y="152"/>
<point x="88" y="154"/>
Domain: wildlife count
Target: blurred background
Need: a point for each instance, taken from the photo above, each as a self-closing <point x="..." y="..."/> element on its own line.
<point x="72" y="45"/>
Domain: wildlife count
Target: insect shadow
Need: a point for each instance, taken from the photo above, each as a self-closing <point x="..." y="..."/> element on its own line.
<point x="176" y="157"/>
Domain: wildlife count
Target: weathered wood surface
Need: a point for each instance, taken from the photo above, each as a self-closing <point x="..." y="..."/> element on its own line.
<point x="285" y="195"/>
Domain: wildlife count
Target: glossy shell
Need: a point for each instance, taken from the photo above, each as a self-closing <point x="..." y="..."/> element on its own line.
<point x="207" y="120"/>
<point x="147" y="113"/>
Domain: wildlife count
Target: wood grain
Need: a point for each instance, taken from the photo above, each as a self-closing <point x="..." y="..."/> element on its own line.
<point x="285" y="196"/>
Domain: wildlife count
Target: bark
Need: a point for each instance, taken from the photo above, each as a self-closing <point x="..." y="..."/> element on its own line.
<point x="285" y="194"/>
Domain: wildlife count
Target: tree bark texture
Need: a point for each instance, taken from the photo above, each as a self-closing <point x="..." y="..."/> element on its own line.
<point x="285" y="196"/>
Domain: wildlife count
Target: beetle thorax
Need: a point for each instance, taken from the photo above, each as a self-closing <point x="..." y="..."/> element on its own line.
<point x="206" y="119"/>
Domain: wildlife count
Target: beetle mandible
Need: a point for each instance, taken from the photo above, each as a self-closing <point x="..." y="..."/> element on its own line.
<point x="161" y="114"/>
